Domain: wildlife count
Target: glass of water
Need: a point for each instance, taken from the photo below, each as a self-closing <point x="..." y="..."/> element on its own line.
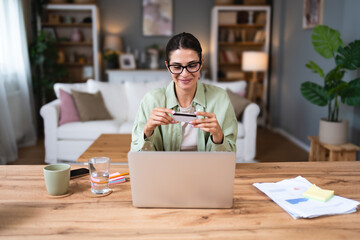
<point x="99" y="174"/>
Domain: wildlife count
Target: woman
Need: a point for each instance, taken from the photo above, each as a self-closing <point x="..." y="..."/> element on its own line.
<point x="215" y="128"/>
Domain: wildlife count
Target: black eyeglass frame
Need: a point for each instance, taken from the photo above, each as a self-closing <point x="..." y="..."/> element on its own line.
<point x="182" y="67"/>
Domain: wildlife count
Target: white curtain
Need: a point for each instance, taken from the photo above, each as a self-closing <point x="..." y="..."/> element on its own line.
<point x="17" y="124"/>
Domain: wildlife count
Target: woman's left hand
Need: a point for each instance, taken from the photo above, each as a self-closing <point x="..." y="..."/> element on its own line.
<point x="209" y="124"/>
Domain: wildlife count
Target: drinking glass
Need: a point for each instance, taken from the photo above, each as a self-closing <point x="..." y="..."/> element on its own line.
<point x="99" y="174"/>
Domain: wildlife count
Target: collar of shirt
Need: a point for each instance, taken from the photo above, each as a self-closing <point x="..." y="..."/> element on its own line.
<point x="171" y="101"/>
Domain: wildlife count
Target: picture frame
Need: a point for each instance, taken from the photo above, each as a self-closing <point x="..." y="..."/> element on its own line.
<point x="312" y="13"/>
<point x="87" y="72"/>
<point x="49" y="31"/>
<point x="157" y="17"/>
<point x="127" y="61"/>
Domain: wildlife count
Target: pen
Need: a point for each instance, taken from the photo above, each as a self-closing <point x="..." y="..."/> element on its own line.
<point x="117" y="174"/>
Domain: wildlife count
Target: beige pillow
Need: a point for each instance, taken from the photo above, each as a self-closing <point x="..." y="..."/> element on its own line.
<point x="239" y="103"/>
<point x="90" y="106"/>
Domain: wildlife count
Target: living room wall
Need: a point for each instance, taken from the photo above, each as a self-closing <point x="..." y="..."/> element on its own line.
<point x="124" y="17"/>
<point x="291" y="49"/>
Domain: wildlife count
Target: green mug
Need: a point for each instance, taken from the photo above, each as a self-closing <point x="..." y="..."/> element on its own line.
<point x="57" y="177"/>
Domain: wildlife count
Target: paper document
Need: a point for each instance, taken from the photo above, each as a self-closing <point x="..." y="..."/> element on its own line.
<point x="288" y="194"/>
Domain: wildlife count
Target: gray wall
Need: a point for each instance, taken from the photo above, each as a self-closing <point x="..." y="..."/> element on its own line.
<point x="124" y="17"/>
<point x="292" y="48"/>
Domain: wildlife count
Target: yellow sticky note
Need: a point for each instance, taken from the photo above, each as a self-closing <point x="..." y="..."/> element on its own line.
<point x="318" y="194"/>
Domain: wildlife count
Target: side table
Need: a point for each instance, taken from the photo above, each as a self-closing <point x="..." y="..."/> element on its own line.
<point x="327" y="152"/>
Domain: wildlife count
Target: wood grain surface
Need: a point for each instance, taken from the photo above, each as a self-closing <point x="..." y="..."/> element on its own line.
<point x="26" y="212"/>
<point x="114" y="146"/>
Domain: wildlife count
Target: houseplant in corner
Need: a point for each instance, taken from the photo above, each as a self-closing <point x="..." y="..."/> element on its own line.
<point x="334" y="91"/>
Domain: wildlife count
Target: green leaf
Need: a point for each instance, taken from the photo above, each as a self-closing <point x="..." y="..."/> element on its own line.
<point x="314" y="93"/>
<point x="349" y="57"/>
<point x="351" y="95"/>
<point x="315" y="68"/>
<point x="326" y="41"/>
<point x="337" y="89"/>
<point x="334" y="77"/>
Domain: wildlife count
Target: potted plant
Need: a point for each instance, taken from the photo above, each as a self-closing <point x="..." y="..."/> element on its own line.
<point x="112" y="59"/>
<point x="334" y="90"/>
<point x="44" y="57"/>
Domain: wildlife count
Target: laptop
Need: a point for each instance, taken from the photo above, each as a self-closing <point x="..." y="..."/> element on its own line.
<point x="182" y="179"/>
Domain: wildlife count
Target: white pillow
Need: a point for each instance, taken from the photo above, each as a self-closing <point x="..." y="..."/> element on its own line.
<point x="238" y="87"/>
<point x="135" y="92"/>
<point x="67" y="87"/>
<point x="114" y="97"/>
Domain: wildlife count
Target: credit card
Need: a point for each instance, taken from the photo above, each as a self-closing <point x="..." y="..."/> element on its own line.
<point x="184" y="117"/>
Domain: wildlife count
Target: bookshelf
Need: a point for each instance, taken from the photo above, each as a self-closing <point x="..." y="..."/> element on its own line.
<point x="234" y="30"/>
<point x="81" y="58"/>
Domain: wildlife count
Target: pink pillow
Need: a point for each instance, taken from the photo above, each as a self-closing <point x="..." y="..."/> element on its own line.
<point x="68" y="110"/>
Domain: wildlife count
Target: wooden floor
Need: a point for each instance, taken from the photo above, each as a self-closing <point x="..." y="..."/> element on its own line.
<point x="270" y="147"/>
<point x="274" y="147"/>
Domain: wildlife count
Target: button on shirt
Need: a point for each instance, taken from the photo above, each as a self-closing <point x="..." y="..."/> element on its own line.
<point x="208" y="98"/>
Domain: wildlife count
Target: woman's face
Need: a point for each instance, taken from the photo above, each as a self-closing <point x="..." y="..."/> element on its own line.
<point x="185" y="57"/>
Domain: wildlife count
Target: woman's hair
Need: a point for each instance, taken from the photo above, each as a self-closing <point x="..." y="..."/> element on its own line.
<point x="185" y="41"/>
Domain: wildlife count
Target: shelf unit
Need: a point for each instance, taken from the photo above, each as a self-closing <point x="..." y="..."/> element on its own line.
<point x="87" y="49"/>
<point x="235" y="29"/>
<point x="246" y="37"/>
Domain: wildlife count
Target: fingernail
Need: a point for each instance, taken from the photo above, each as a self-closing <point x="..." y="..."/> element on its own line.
<point x="173" y="112"/>
<point x="190" y="122"/>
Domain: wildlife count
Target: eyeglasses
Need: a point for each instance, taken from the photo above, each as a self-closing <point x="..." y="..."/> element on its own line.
<point x="178" y="69"/>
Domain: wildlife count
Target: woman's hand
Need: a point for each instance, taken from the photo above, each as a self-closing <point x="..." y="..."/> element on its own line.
<point x="209" y="124"/>
<point x="158" y="116"/>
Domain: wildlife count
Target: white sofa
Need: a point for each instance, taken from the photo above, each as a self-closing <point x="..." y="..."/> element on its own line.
<point x="68" y="141"/>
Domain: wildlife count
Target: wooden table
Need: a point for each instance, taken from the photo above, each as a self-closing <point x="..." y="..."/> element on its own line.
<point x="114" y="146"/>
<point x="328" y="152"/>
<point x="28" y="213"/>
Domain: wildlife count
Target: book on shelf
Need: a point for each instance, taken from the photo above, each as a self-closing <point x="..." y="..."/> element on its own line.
<point x="232" y="56"/>
<point x="243" y="35"/>
<point x="235" y="75"/>
<point x="229" y="56"/>
<point x="227" y="17"/>
<point x="259" y="36"/>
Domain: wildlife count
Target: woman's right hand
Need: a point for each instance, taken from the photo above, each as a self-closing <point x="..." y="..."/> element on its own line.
<point x="158" y="116"/>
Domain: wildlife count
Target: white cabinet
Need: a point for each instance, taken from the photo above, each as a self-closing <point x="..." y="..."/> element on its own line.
<point x="118" y="76"/>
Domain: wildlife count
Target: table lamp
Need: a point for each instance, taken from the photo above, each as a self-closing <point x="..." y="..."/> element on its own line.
<point x="113" y="43"/>
<point x="255" y="62"/>
<point x="112" y="50"/>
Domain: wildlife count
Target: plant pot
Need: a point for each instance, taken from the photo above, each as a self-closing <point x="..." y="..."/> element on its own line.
<point x="112" y="65"/>
<point x="334" y="133"/>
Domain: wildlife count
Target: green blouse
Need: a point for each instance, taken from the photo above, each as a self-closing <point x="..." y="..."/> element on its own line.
<point x="208" y="98"/>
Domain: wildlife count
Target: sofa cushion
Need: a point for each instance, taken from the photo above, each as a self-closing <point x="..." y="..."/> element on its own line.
<point x="135" y="91"/>
<point x="67" y="87"/>
<point x="68" y="111"/>
<point x="239" y="103"/>
<point x="89" y="130"/>
<point x="71" y="150"/>
<point x="114" y="97"/>
<point x="126" y="127"/>
<point x="238" y="87"/>
<point x="90" y="106"/>
<point x="241" y="130"/>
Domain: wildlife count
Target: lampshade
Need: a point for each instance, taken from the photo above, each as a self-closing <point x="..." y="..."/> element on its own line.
<point x="113" y="42"/>
<point x="254" y="61"/>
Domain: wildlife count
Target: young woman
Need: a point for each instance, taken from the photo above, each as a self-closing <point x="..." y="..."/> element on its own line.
<point x="215" y="128"/>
